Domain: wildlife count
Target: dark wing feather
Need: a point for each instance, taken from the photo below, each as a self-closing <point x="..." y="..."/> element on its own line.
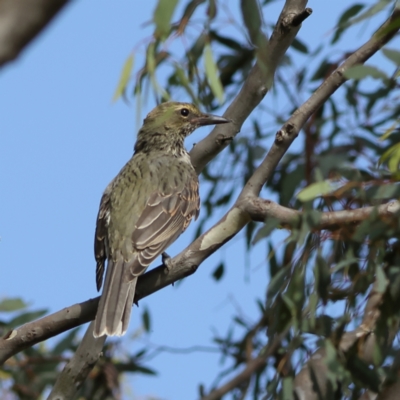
<point x="164" y="218"/>
<point x="100" y="237"/>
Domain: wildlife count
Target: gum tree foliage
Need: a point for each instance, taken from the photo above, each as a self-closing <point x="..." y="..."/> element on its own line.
<point x="334" y="193"/>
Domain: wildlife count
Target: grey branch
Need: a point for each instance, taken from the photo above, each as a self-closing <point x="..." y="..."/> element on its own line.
<point x="261" y="209"/>
<point x="76" y="370"/>
<point x="255" y="87"/>
<point x="21" y="21"/>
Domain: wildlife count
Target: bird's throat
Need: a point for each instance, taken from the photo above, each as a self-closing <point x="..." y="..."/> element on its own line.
<point x="161" y="143"/>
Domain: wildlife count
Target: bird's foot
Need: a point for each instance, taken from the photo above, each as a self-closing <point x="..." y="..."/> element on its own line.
<point x="166" y="260"/>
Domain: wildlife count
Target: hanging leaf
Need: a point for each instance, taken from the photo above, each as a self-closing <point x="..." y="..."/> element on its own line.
<point x="392" y="55"/>
<point x="300" y="46"/>
<point x="212" y="74"/>
<point x="146" y="320"/>
<point x="187" y="14"/>
<point x="124" y="78"/>
<point x="12" y="304"/>
<point x="362" y="71"/>
<point x="389" y="131"/>
<point x="253" y="21"/>
<point x="344" y="20"/>
<point x="252" y="18"/>
<point x="381" y="280"/>
<point x="270" y="224"/>
<point x="392" y="157"/>
<point x="315" y="190"/>
<point x="162" y="17"/>
<point x="218" y="272"/>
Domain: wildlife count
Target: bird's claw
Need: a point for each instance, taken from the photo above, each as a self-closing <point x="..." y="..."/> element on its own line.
<point x="166" y="260"/>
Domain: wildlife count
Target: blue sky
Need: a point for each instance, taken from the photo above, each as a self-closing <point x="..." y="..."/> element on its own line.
<point x="62" y="141"/>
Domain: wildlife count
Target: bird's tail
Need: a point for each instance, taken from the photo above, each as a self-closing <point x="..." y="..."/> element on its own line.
<point x="115" y="305"/>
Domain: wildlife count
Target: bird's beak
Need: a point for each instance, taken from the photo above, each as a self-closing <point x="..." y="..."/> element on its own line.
<point x="209" y="119"/>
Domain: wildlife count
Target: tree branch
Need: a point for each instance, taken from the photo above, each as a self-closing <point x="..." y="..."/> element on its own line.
<point x="261" y="209"/>
<point x="255" y="87"/>
<point x="77" y="369"/>
<point x="21" y="21"/>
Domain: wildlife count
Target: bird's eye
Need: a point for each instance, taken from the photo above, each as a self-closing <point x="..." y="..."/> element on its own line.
<point x="185" y="112"/>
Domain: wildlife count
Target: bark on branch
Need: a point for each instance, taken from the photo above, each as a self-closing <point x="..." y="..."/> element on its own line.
<point x="21" y="21"/>
<point x="261" y="209"/>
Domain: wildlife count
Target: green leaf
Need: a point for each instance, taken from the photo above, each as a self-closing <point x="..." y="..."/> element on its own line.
<point x="146" y="320"/>
<point x="124" y="78"/>
<point x="384" y="192"/>
<point x="295" y="289"/>
<point x="316" y="189"/>
<point x="322" y="277"/>
<point x="252" y="18"/>
<point x="381" y="280"/>
<point x="392" y="157"/>
<point x="276" y="283"/>
<point x="300" y="46"/>
<point x="273" y="263"/>
<point x="362" y="71"/>
<point x="265" y="230"/>
<point x="212" y="74"/>
<point x="389" y="131"/>
<point x="344" y="20"/>
<point x="188" y="13"/>
<point x="392" y="55"/>
<point x="287" y="388"/>
<point x="348" y="260"/>
<point x="374" y="9"/>
<point x="12" y="304"/>
<point x="219" y="272"/>
<point x="212" y="9"/>
<point x="145" y="370"/>
<point x="162" y="17"/>
<point x="66" y="342"/>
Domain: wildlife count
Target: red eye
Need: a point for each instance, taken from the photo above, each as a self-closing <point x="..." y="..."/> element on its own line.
<point x="185" y="112"/>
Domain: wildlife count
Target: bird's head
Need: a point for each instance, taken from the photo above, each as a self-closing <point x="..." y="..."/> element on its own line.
<point x="172" y="122"/>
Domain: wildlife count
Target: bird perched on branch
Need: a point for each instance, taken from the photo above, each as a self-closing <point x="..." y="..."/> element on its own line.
<point x="145" y="208"/>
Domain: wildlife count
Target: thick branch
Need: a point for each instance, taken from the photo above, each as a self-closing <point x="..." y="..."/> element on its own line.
<point x="21" y="21"/>
<point x="76" y="370"/>
<point x="261" y="209"/>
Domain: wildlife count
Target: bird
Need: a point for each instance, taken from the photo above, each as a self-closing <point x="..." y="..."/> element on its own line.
<point x="145" y="208"/>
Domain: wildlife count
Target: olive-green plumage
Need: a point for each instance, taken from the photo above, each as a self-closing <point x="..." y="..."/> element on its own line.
<point x="145" y="208"/>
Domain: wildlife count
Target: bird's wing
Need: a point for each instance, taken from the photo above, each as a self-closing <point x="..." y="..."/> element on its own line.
<point x="100" y="237"/>
<point x="164" y="218"/>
